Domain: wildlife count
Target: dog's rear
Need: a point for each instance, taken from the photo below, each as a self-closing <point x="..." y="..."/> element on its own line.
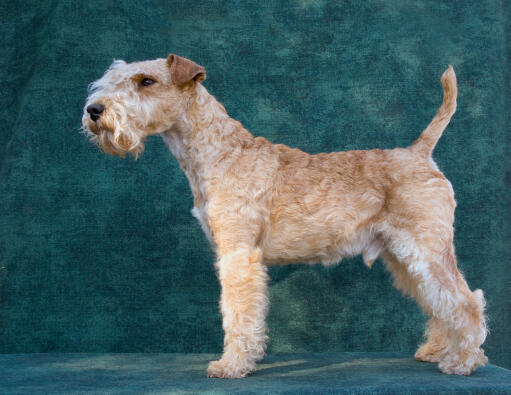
<point x="420" y="252"/>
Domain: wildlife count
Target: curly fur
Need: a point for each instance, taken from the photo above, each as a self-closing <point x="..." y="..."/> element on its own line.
<point x="261" y="203"/>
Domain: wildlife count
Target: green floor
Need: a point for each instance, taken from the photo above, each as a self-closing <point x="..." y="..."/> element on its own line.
<point x="354" y="373"/>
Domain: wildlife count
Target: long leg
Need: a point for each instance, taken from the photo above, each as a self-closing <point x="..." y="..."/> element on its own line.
<point x="457" y="326"/>
<point x="244" y="304"/>
<point x="436" y="334"/>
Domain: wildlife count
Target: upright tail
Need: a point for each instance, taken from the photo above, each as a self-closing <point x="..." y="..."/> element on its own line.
<point x="426" y="142"/>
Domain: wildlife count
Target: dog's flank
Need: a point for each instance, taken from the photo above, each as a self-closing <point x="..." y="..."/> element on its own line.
<point x="261" y="203"/>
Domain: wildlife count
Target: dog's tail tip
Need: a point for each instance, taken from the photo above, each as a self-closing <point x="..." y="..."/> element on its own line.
<point x="448" y="73"/>
<point x="448" y="80"/>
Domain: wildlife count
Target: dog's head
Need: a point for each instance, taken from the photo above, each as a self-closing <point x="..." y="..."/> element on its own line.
<point x="135" y="100"/>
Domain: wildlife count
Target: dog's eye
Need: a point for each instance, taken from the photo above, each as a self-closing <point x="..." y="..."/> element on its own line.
<point x="147" y="81"/>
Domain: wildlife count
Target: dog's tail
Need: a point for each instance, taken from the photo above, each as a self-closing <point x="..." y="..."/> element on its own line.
<point x="426" y="142"/>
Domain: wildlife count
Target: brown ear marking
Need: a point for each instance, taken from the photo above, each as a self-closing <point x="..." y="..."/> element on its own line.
<point x="183" y="70"/>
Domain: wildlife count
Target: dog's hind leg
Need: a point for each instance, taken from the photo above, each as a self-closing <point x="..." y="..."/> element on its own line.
<point x="457" y="324"/>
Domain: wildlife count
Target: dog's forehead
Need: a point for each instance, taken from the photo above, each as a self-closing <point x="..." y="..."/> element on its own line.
<point x="149" y="67"/>
<point x="121" y="71"/>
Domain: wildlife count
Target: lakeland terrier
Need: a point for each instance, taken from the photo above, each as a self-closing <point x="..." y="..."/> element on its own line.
<point x="261" y="203"/>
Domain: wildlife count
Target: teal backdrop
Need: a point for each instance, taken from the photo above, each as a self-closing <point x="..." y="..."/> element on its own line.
<point x="101" y="254"/>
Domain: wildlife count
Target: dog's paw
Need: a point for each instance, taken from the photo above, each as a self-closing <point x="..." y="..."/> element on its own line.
<point x="426" y="353"/>
<point x="464" y="366"/>
<point x="227" y="370"/>
<point x="461" y="369"/>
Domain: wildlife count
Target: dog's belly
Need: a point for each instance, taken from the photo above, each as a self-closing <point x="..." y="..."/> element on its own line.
<point x="312" y="243"/>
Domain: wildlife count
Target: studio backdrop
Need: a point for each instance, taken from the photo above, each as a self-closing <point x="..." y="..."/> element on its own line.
<point x="101" y="254"/>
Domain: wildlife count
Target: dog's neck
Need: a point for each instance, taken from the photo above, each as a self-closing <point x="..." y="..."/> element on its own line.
<point x="205" y="142"/>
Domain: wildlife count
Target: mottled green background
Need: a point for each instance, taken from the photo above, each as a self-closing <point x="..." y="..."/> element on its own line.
<point x="100" y="254"/>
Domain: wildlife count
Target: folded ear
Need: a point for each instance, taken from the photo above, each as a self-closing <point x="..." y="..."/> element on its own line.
<point x="183" y="70"/>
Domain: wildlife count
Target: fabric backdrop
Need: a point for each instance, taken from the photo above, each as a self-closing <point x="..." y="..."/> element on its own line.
<point x="101" y="254"/>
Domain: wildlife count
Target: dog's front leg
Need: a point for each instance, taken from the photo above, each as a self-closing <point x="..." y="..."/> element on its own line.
<point x="244" y="304"/>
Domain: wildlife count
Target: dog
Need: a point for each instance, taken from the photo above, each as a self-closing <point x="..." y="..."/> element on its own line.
<point x="261" y="203"/>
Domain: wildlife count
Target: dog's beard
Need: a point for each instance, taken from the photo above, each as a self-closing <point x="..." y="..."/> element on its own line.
<point x="112" y="134"/>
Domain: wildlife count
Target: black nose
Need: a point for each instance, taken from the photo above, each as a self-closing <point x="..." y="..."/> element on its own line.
<point x="95" y="110"/>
